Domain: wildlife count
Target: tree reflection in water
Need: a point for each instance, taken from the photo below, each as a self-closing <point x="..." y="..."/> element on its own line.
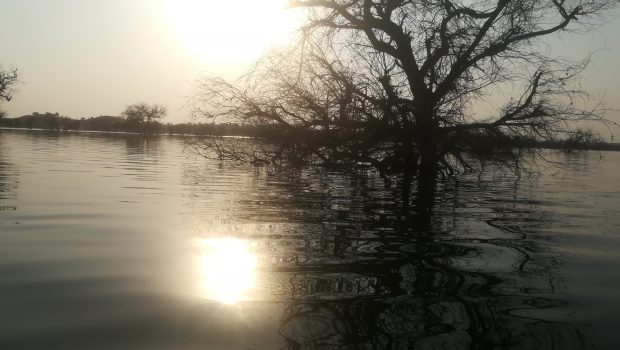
<point x="359" y="267"/>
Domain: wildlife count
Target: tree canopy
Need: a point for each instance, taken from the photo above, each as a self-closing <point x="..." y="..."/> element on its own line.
<point x="396" y="84"/>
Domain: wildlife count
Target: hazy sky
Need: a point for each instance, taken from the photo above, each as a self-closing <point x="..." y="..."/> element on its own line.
<point x="84" y="58"/>
<point x="92" y="57"/>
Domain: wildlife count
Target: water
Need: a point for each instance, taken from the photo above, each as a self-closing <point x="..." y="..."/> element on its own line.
<point x="112" y="242"/>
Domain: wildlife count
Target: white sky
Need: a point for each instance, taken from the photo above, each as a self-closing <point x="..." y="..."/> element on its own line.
<point x="88" y="58"/>
<point x="85" y="58"/>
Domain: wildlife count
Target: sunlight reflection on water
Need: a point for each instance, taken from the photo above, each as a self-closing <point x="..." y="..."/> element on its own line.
<point x="228" y="269"/>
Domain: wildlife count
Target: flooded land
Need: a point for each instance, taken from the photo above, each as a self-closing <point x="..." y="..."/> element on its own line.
<point x="118" y="242"/>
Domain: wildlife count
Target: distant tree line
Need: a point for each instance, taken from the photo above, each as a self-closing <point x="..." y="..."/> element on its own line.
<point x="106" y="123"/>
<point x="479" y="142"/>
<point x="54" y="121"/>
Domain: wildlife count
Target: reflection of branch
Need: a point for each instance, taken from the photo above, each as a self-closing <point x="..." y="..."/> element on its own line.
<point x="366" y="276"/>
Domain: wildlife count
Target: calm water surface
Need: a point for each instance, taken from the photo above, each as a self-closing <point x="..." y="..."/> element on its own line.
<point x="112" y="242"/>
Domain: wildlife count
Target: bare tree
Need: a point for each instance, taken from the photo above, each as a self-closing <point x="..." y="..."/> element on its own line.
<point x="7" y="78"/>
<point x="144" y="116"/>
<point x="582" y="139"/>
<point x="395" y="84"/>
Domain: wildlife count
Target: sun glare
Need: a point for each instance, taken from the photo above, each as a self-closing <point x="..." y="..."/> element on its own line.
<point x="228" y="269"/>
<point x="224" y="33"/>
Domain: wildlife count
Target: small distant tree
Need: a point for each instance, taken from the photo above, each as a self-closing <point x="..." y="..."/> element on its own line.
<point x="144" y="117"/>
<point x="583" y="139"/>
<point x="7" y="78"/>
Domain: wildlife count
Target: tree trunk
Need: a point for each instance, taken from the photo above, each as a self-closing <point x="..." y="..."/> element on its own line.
<point x="427" y="170"/>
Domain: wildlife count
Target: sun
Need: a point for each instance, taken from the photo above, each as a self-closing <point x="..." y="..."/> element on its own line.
<point x="223" y="33"/>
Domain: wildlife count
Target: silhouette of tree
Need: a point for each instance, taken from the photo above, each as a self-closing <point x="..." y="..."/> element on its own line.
<point x="7" y="78"/>
<point x="144" y="116"/>
<point x="582" y="139"/>
<point x="395" y="84"/>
